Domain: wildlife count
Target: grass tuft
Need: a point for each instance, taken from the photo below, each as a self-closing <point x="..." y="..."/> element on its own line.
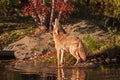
<point x="93" y="45"/>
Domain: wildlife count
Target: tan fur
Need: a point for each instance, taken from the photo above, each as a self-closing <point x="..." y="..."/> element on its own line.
<point x="64" y="42"/>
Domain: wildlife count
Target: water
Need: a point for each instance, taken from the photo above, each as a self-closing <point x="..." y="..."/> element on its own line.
<point x="34" y="70"/>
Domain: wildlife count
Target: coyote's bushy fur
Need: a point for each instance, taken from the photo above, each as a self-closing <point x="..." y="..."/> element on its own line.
<point x="64" y="41"/>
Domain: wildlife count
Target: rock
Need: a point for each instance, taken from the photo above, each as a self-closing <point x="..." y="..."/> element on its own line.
<point x="23" y="48"/>
<point x="84" y="27"/>
<point x="107" y="60"/>
<point x="31" y="46"/>
<point x="93" y="60"/>
<point x="88" y="65"/>
<point x="114" y="60"/>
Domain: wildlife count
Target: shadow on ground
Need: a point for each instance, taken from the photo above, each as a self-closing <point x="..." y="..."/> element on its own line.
<point x="108" y="56"/>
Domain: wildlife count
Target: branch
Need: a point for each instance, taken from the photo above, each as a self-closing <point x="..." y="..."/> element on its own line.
<point x="52" y="13"/>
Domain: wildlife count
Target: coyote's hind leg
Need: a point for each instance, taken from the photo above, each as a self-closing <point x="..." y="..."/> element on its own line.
<point x="75" y="54"/>
<point x="77" y="57"/>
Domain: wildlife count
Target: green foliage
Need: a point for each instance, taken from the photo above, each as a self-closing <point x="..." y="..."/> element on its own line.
<point x="117" y="40"/>
<point x="69" y="59"/>
<point x="48" y="59"/>
<point x="80" y="10"/>
<point x="114" y="40"/>
<point x="8" y="2"/>
<point x="7" y="5"/>
<point x="13" y="36"/>
<point x="93" y="45"/>
<point x="113" y="2"/>
<point x="97" y="8"/>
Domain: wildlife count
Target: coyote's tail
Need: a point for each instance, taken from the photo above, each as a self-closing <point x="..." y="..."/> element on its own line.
<point x="81" y="52"/>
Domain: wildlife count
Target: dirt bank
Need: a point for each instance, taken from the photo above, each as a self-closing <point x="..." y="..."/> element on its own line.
<point x="33" y="45"/>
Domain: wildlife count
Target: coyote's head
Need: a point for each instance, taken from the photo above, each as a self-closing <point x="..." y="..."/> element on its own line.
<point x="57" y="29"/>
<point x="56" y="26"/>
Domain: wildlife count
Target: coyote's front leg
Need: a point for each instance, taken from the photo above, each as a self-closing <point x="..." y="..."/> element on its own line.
<point x="58" y="57"/>
<point x="60" y="54"/>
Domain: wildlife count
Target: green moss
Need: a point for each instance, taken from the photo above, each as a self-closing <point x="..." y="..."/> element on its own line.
<point x="48" y="59"/>
<point x="96" y="46"/>
<point x="13" y="35"/>
<point x="68" y="59"/>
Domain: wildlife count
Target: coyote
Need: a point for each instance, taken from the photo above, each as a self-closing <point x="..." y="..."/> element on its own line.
<point x="65" y="42"/>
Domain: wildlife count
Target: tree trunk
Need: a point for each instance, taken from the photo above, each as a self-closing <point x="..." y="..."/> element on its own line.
<point x="51" y="16"/>
<point x="40" y="18"/>
<point x="59" y="15"/>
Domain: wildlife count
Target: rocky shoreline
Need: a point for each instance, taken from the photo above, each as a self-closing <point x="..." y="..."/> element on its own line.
<point x="35" y="45"/>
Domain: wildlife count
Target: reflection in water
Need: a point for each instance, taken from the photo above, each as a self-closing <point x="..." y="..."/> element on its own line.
<point x="26" y="70"/>
<point x="34" y="70"/>
<point x="80" y="75"/>
<point x="37" y="77"/>
<point x="73" y="74"/>
<point x="28" y="77"/>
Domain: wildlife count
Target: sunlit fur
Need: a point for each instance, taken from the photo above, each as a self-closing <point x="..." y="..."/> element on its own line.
<point x="64" y="41"/>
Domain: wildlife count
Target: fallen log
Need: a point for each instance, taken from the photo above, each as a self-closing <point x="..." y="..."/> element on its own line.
<point x="6" y="55"/>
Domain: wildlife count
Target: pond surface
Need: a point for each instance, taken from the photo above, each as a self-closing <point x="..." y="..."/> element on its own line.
<point x="34" y="70"/>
